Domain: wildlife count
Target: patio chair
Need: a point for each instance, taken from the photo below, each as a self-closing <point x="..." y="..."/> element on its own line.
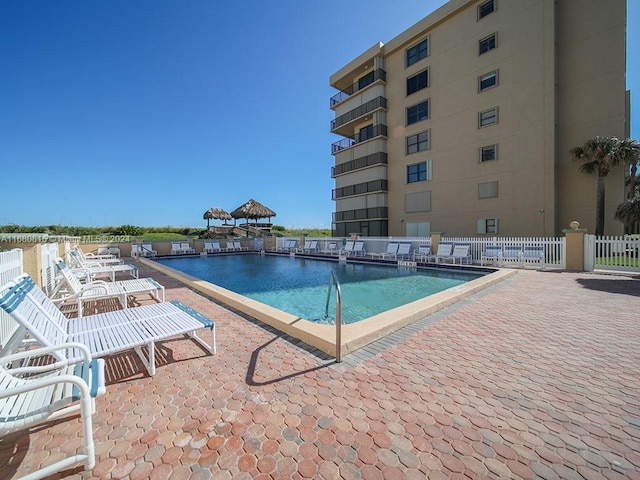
<point x="32" y="395"/>
<point x="390" y="252"/>
<point x="148" y="251"/>
<point x="211" y="247"/>
<point x="310" y="246"/>
<point x="331" y="248"/>
<point x="185" y="248"/>
<point x="176" y="248"/>
<point x="423" y="254"/>
<point x="532" y="254"/>
<point x="460" y="253"/>
<point x="91" y="269"/>
<point x="492" y="254"/>
<point x="444" y="251"/>
<point x="79" y="293"/>
<point x="136" y="250"/>
<point x="106" y="333"/>
<point x="99" y="259"/>
<point x="404" y="250"/>
<point x="238" y="246"/>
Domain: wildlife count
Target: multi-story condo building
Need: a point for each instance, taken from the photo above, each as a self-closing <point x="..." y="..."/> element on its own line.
<point x="463" y="123"/>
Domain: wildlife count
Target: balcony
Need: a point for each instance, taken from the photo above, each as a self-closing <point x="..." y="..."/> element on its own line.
<point x="360" y="189"/>
<point x="379" y="158"/>
<point x="374" y="131"/>
<point x="363" y="82"/>
<point x="378" y="213"/>
<point x="361" y="111"/>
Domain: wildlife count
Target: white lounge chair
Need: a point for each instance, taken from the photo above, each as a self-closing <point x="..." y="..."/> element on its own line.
<point x="211" y="247"/>
<point x="390" y="252"/>
<point x="99" y="259"/>
<point x="79" y="293"/>
<point x="148" y="251"/>
<point x="404" y="250"/>
<point x="136" y="250"/>
<point x="423" y="254"/>
<point x="348" y="248"/>
<point x="331" y="248"/>
<point x="460" y="254"/>
<point x="91" y="269"/>
<point x="444" y="251"/>
<point x="31" y="395"/>
<point x="238" y="246"/>
<point x="492" y="254"/>
<point x="105" y="333"/>
<point x="186" y="248"/>
<point x="310" y="246"/>
<point x="176" y="248"/>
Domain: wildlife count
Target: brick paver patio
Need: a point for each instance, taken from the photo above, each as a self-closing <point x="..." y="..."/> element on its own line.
<point x="537" y="377"/>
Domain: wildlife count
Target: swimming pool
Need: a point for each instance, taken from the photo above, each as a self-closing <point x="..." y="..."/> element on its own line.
<point x="299" y="285"/>
<point x="323" y="336"/>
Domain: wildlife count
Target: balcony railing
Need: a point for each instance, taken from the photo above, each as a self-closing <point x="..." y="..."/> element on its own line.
<point x="381" y="213"/>
<point x="364" y="109"/>
<point x="376" y="131"/>
<point x="380" y="185"/>
<point x="379" y="158"/>
<point x="365" y="81"/>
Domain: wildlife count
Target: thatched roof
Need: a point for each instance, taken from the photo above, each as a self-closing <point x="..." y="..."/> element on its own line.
<point x="216" y="213"/>
<point x="254" y="210"/>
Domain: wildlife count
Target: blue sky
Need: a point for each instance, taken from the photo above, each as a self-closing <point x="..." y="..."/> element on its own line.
<point x="149" y="112"/>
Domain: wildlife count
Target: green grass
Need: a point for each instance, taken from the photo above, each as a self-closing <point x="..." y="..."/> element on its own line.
<point x="618" y="261"/>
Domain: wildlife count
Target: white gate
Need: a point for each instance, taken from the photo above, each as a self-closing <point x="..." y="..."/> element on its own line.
<point x="612" y="253"/>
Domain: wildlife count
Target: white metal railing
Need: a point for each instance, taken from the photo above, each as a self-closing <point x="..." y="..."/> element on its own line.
<point x="11" y="265"/>
<point x="613" y="253"/>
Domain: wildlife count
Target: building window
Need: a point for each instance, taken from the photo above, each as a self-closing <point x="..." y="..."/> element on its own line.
<point x="419" y="172"/>
<point x="418" y="112"/>
<point x="365" y="133"/>
<point x="418" y="142"/>
<point x="417" y="202"/>
<point x="487" y="226"/>
<point x="488" y="43"/>
<point x="418" y="82"/>
<point x="418" y="52"/>
<point x="488" y="117"/>
<point x="487" y="80"/>
<point x="487" y="190"/>
<point x="490" y="152"/>
<point x="486" y="8"/>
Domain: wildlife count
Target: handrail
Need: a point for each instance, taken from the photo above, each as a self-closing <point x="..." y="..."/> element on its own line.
<point x="334" y="280"/>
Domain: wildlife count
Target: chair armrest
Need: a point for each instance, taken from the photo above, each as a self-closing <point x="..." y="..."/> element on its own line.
<point x="37" y="384"/>
<point x="86" y="354"/>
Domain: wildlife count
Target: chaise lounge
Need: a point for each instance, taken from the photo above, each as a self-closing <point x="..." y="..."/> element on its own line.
<point x="106" y="333"/>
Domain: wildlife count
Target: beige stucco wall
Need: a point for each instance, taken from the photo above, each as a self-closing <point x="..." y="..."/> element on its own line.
<point x="547" y="104"/>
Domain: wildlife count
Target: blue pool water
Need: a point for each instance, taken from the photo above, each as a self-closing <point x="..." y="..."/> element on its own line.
<point x="299" y="286"/>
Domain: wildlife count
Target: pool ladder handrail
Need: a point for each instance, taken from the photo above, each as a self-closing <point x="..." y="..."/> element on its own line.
<point x="333" y="280"/>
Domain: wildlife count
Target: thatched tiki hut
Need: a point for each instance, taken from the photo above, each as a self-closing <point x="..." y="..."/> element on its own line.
<point x="216" y="214"/>
<point x="253" y="210"/>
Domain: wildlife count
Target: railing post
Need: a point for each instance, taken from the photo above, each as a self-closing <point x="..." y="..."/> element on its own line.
<point x="575" y="247"/>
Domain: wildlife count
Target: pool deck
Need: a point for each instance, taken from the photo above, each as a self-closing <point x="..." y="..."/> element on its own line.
<point x="534" y="377"/>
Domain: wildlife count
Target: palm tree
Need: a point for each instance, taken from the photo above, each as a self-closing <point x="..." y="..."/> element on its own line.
<point x="629" y="213"/>
<point x="599" y="155"/>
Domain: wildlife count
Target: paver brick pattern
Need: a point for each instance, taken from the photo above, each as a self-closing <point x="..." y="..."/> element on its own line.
<point x="534" y="378"/>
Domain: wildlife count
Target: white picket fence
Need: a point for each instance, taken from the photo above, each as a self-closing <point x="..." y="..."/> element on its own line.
<point x="611" y="253"/>
<point x="11" y="265"/>
<point x="555" y="248"/>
